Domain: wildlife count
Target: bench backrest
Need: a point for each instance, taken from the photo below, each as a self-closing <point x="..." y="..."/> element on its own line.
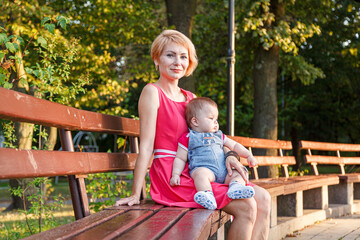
<point x="331" y="148"/>
<point x="281" y="147"/>
<point x="16" y="163"/>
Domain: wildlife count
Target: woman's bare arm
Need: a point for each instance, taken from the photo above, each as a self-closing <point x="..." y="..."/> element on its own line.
<point x="148" y="107"/>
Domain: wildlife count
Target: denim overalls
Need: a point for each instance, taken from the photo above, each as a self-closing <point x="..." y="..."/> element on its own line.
<point x="206" y="150"/>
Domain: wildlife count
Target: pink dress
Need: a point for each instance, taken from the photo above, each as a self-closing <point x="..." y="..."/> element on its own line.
<point x="170" y="126"/>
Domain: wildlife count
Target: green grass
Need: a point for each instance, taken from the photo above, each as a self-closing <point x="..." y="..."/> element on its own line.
<point x="13" y="224"/>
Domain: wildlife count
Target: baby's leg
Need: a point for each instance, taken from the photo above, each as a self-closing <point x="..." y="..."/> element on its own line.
<point x="237" y="187"/>
<point x="235" y="177"/>
<point x="203" y="178"/>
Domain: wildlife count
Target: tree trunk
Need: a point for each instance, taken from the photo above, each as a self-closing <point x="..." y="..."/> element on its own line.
<point x="265" y="93"/>
<point x="180" y="14"/>
<point x="23" y="131"/>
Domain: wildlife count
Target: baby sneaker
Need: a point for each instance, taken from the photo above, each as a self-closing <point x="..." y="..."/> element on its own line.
<point x="206" y="199"/>
<point x="239" y="191"/>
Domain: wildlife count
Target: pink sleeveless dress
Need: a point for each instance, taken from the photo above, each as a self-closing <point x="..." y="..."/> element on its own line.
<point x="170" y="126"/>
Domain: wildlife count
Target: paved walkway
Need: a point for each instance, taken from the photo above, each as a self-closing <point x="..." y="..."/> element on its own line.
<point x="342" y="228"/>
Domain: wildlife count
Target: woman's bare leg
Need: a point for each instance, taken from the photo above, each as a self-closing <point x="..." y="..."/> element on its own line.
<point x="244" y="213"/>
<point x="262" y="222"/>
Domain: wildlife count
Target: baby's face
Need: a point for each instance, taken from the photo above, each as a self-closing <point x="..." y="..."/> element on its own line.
<point x="207" y="119"/>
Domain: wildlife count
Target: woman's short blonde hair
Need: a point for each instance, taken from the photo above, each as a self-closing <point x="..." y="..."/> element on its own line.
<point x="173" y="36"/>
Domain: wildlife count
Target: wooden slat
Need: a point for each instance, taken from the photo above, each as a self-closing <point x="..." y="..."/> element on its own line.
<point x="325" y="146"/>
<point x="146" y="204"/>
<point x="16" y="163"/>
<point x="262" y="143"/>
<point x="156" y="226"/>
<point x="273" y="160"/>
<point x="68" y="230"/>
<point x="24" y="108"/>
<point x="195" y="224"/>
<point x="350" y="177"/>
<point x="322" y="159"/>
<point x="273" y="187"/>
<point x="116" y="226"/>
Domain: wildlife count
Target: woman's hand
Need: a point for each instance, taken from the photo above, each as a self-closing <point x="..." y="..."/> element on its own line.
<point x="128" y="200"/>
<point x="232" y="162"/>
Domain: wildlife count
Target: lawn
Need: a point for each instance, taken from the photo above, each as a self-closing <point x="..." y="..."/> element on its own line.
<point x="13" y="224"/>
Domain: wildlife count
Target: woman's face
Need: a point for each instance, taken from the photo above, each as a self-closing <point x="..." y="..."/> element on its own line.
<point x="173" y="61"/>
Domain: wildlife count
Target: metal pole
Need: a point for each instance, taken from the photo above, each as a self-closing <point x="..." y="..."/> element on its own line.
<point x="231" y="70"/>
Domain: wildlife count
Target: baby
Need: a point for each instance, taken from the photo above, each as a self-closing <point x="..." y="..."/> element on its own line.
<point x="203" y="146"/>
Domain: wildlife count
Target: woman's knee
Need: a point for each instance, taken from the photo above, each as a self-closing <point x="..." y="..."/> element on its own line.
<point x="263" y="200"/>
<point x="245" y="209"/>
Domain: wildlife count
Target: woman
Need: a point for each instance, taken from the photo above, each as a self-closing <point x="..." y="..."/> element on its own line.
<point x="162" y="122"/>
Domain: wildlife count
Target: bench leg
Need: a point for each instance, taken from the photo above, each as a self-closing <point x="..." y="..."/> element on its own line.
<point x="342" y="193"/>
<point x="356" y="190"/>
<point x="221" y="233"/>
<point x="290" y="205"/>
<point x="273" y="212"/>
<point x="317" y="198"/>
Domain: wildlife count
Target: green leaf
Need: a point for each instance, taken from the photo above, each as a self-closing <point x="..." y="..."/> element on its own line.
<point x="46" y="19"/>
<point x="2" y="78"/>
<point x="3" y="38"/>
<point x="7" y="85"/>
<point x="42" y="41"/>
<point x="2" y="55"/>
<point x="28" y="70"/>
<point x="62" y="24"/>
<point x="23" y="81"/>
<point x="20" y="40"/>
<point x="50" y="27"/>
<point x="16" y="46"/>
<point x="1" y="28"/>
<point x="10" y="46"/>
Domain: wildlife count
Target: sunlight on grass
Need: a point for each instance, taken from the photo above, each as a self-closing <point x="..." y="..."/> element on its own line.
<point x="13" y="224"/>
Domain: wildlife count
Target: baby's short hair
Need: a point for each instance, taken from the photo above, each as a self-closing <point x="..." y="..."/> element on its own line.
<point x="195" y="105"/>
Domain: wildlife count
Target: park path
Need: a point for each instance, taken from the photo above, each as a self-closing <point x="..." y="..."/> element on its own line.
<point x="341" y="228"/>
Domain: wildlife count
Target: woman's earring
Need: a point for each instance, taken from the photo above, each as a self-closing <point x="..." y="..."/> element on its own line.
<point x="157" y="67"/>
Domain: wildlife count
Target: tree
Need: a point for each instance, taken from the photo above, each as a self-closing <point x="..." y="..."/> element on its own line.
<point x="48" y="78"/>
<point x="180" y="14"/>
<point x="265" y="73"/>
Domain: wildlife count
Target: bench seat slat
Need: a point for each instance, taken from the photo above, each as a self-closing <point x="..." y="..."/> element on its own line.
<point x="25" y="108"/>
<point x="15" y="163"/>
<point x="156" y="226"/>
<point x="116" y="226"/>
<point x="274" y="188"/>
<point x="195" y="224"/>
<point x="350" y="177"/>
<point x="68" y="230"/>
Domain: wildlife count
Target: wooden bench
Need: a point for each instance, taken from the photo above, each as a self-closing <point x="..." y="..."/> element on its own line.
<point x="296" y="201"/>
<point x="341" y="155"/>
<point x="145" y="221"/>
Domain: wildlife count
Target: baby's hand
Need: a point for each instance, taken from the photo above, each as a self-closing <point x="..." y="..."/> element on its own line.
<point x="175" y="180"/>
<point x="252" y="161"/>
